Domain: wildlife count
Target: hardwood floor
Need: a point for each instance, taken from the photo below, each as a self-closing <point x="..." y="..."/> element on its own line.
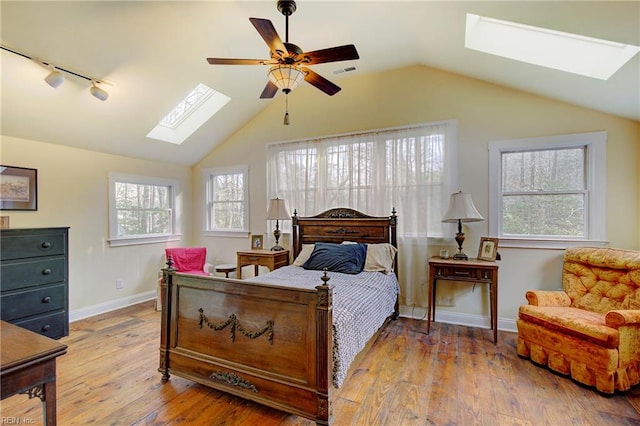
<point x="455" y="376"/>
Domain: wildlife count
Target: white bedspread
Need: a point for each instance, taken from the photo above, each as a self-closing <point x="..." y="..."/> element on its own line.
<point x="361" y="303"/>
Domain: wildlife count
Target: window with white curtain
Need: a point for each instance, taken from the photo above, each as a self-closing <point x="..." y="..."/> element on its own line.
<point x="411" y="169"/>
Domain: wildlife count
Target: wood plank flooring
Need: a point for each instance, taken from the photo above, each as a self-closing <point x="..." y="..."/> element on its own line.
<point x="454" y="376"/>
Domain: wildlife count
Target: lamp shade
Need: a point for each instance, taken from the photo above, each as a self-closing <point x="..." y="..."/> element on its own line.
<point x="278" y="210"/>
<point x="461" y="208"/>
<point x="286" y="77"/>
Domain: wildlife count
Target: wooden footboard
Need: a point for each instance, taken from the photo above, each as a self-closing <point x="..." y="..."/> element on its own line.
<point x="268" y="344"/>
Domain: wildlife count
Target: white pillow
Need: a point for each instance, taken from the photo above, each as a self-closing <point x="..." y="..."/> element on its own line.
<point x="380" y="257"/>
<point x="304" y="254"/>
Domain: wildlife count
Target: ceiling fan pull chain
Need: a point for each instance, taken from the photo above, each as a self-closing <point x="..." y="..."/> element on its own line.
<point x="286" y="110"/>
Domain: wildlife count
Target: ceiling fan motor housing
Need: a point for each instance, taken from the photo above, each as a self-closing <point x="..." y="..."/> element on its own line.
<point x="286" y="7"/>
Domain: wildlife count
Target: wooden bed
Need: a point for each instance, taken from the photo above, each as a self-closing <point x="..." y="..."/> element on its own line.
<point x="265" y="343"/>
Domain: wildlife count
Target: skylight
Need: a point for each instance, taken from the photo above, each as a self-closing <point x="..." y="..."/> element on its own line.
<point x="568" y="52"/>
<point x="190" y="113"/>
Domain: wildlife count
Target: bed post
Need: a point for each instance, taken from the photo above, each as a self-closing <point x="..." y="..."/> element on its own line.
<point x="165" y="332"/>
<point x="324" y="347"/>
<point x="393" y="224"/>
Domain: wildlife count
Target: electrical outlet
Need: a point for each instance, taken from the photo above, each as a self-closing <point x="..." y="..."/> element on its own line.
<point x="119" y="283"/>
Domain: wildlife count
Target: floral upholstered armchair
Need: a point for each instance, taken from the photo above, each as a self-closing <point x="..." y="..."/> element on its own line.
<point x="591" y="330"/>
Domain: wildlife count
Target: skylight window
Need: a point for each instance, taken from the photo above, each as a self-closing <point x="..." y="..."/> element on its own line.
<point x="568" y="52"/>
<point x="190" y="113"/>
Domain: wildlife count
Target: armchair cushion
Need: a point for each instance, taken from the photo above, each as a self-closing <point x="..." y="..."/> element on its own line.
<point x="190" y="260"/>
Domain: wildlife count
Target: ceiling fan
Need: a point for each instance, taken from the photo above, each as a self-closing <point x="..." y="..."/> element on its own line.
<point x="289" y="62"/>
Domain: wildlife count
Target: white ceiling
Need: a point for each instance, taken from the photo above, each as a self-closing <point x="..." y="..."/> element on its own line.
<point x="154" y="53"/>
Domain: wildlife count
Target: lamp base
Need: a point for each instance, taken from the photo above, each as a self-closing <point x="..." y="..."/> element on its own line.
<point x="277" y="248"/>
<point x="460" y="256"/>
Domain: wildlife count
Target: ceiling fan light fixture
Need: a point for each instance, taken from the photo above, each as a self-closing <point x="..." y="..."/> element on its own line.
<point x="54" y="78"/>
<point x="286" y="77"/>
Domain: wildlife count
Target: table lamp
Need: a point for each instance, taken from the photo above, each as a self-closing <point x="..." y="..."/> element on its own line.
<point x="461" y="209"/>
<point x="278" y="211"/>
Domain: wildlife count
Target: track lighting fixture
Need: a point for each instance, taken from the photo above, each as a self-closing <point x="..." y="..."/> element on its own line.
<point x="97" y="92"/>
<point x="55" y="77"/>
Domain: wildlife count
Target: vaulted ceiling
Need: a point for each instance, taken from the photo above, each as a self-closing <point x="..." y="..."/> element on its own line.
<point x="153" y="53"/>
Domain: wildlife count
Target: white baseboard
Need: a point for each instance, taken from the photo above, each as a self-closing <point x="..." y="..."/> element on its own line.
<point x="469" y="320"/>
<point x="111" y="305"/>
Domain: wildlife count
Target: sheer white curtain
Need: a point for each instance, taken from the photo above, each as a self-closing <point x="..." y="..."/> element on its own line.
<point x="410" y="169"/>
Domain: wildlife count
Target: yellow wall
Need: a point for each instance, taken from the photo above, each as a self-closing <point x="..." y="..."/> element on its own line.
<point x="73" y="191"/>
<point x="485" y="112"/>
<point x="73" y="183"/>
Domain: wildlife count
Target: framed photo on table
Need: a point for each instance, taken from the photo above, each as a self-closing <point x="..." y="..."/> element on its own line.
<point x="488" y="249"/>
<point x="256" y="242"/>
<point x="18" y="188"/>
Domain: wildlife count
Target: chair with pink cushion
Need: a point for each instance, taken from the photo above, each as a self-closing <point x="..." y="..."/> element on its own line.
<point x="190" y="260"/>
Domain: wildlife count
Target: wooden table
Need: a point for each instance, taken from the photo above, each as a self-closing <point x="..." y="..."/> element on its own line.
<point x="28" y="366"/>
<point x="270" y="259"/>
<point x="472" y="270"/>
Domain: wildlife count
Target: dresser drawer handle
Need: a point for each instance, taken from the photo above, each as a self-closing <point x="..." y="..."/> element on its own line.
<point x="253" y="259"/>
<point x="462" y="273"/>
<point x="46" y="245"/>
<point x="46" y="327"/>
<point x="46" y="271"/>
<point x="46" y="299"/>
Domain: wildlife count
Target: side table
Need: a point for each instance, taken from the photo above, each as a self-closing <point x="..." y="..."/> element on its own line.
<point x="270" y="259"/>
<point x="28" y="366"/>
<point x="472" y="270"/>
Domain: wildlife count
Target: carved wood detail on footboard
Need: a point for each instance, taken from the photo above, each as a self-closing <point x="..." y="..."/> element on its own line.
<point x="269" y="344"/>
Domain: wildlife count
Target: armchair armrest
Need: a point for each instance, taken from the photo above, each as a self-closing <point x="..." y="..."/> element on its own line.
<point x="620" y="317"/>
<point x="548" y="298"/>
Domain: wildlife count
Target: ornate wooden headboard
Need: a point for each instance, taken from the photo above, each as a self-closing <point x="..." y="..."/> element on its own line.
<point x="343" y="224"/>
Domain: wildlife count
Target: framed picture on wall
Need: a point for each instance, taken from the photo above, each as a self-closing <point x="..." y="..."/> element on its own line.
<point x="256" y="242"/>
<point x="488" y="249"/>
<point x="18" y="188"/>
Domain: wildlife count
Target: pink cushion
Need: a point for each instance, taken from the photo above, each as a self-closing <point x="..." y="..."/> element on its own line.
<point x="188" y="259"/>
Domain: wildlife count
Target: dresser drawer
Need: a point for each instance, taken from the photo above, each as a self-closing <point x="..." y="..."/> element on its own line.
<point x="19" y="246"/>
<point x="50" y="325"/>
<point x="32" y="272"/>
<point x="20" y="304"/>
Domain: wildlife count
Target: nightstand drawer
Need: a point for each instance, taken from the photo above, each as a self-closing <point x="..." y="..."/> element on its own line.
<point x="33" y="302"/>
<point x="33" y="272"/>
<point x="463" y="273"/>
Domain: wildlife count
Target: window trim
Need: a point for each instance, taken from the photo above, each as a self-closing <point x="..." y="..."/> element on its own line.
<point x="235" y="233"/>
<point x="116" y="241"/>
<point x="595" y="144"/>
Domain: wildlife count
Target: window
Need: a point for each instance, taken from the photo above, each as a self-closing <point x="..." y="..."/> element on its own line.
<point x="409" y="169"/>
<point x="548" y="191"/>
<point x="141" y="209"/>
<point x="227" y="199"/>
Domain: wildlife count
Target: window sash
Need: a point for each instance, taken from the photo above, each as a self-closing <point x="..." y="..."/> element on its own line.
<point x="226" y="201"/>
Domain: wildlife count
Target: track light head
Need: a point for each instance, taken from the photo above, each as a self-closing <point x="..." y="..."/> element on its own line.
<point x="54" y="78"/>
<point x="97" y="92"/>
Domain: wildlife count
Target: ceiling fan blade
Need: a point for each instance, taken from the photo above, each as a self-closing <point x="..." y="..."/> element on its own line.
<point x="269" y="35"/>
<point x="332" y="54"/>
<point x="269" y="91"/>
<point x="228" y="61"/>
<point x="320" y="82"/>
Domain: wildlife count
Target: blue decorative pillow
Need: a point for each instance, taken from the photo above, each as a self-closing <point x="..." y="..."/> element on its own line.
<point x="345" y="258"/>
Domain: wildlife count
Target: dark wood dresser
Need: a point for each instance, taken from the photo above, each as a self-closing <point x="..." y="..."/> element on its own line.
<point x="34" y="279"/>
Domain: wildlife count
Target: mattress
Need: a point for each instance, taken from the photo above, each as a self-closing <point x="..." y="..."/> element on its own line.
<point x="361" y="304"/>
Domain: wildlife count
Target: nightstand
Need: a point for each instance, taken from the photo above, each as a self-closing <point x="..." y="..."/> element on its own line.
<point x="472" y="270"/>
<point x="270" y="259"/>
